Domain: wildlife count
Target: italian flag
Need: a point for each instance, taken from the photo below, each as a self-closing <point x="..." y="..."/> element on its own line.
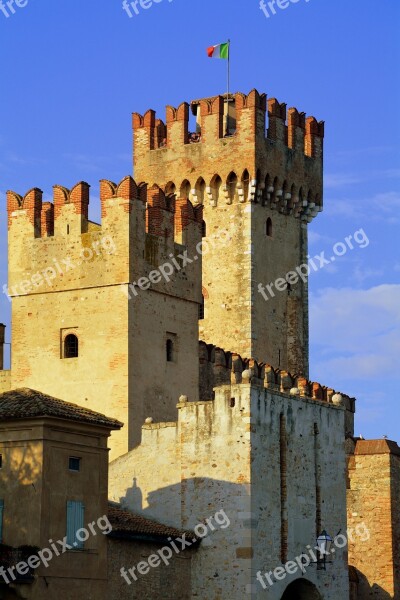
<point x="219" y="51"/>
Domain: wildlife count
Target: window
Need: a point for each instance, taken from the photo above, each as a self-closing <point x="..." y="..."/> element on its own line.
<point x="185" y="189"/>
<point x="1" y="461"/>
<point x="71" y="346"/>
<point x="231" y="184"/>
<point x="170" y="350"/>
<point x="75" y="522"/>
<point x="268" y="227"/>
<point x="201" y="309"/>
<point x="1" y="520"/>
<point x="203" y="229"/>
<point x="74" y="463"/>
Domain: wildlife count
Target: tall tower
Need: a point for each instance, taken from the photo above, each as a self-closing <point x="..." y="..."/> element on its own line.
<point x="260" y="187"/>
<point x="94" y="321"/>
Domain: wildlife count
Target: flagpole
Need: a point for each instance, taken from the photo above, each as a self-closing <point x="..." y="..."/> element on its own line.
<point x="229" y="63"/>
<point x="229" y="84"/>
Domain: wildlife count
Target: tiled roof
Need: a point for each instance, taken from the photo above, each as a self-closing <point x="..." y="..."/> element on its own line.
<point x="26" y="403"/>
<point x="383" y="446"/>
<point x="126" y="524"/>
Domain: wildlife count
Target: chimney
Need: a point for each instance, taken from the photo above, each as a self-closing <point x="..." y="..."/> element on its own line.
<point x="2" y="339"/>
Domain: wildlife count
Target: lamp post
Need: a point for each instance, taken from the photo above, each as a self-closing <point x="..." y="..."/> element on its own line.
<point x="324" y="543"/>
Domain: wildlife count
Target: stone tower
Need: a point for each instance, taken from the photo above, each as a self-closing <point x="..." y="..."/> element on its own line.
<point x="93" y="320"/>
<point x="259" y="187"/>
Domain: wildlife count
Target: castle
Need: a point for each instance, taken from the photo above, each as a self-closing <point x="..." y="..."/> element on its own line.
<point x="109" y="316"/>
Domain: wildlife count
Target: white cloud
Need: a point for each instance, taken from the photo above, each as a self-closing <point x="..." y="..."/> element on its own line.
<point x="384" y="206"/>
<point x="357" y="332"/>
<point x="361" y="274"/>
<point x="335" y="180"/>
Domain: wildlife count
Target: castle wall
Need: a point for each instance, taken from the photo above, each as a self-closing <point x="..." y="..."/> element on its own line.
<point x="99" y="377"/>
<point x="5" y="381"/>
<point x="224" y="455"/>
<point x="242" y="179"/>
<point x="156" y="381"/>
<point x="135" y="477"/>
<point x="372" y="499"/>
<point x="70" y="276"/>
<point x="395" y="485"/>
<point x="172" y="582"/>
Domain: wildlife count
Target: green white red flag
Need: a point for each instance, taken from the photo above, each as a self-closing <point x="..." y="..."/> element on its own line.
<point x="219" y="51"/>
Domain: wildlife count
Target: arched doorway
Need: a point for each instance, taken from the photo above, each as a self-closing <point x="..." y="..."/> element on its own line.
<point x="301" y="589"/>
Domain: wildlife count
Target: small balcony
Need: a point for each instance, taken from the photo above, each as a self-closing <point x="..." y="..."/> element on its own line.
<point x="10" y="557"/>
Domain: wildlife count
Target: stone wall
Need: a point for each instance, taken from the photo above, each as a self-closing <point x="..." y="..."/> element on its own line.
<point x="224" y="455"/>
<point x="5" y="381"/>
<point x="243" y="179"/>
<point x="372" y="500"/>
<point x="169" y="582"/>
<point x="70" y="276"/>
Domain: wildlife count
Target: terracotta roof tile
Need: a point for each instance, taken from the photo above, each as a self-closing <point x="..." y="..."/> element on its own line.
<point x="129" y="524"/>
<point x="26" y="403"/>
<point x="383" y="446"/>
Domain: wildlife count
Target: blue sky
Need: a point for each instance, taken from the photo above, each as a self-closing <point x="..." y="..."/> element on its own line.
<point x="72" y="72"/>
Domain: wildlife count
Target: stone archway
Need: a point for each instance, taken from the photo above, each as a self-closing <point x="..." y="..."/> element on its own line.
<point x="301" y="589"/>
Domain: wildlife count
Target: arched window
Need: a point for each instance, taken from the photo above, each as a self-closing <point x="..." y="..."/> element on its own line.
<point x="268" y="227"/>
<point x="201" y="309"/>
<point x="245" y="184"/>
<point x="170" y="350"/>
<point x="200" y="188"/>
<point x="185" y="189"/>
<point x="215" y="185"/>
<point x="170" y="188"/>
<point x="231" y="183"/>
<point x="203" y="229"/>
<point x="71" y="346"/>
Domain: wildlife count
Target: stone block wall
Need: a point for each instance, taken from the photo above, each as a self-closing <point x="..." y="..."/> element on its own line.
<point x="224" y="455"/>
<point x="372" y="500"/>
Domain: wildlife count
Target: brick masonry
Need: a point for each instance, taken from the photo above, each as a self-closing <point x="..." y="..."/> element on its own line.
<point x="373" y="499"/>
<point x="242" y="180"/>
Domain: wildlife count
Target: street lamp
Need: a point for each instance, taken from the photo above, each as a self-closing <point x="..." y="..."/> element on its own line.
<point x="324" y="543"/>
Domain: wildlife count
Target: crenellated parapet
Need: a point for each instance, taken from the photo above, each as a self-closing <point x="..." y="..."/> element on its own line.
<point x="30" y="204"/>
<point x="165" y="216"/>
<point x="278" y="150"/>
<point x="141" y="229"/>
<point x="219" y="119"/>
<point x="218" y="367"/>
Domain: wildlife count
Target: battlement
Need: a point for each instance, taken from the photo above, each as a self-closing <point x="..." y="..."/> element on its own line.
<point x="219" y="117"/>
<point x="234" y="154"/>
<point x="166" y="216"/>
<point x="218" y="368"/>
<point x="141" y="229"/>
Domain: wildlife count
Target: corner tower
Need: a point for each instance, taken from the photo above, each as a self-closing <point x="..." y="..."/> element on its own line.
<point x="93" y="319"/>
<point x="260" y="187"/>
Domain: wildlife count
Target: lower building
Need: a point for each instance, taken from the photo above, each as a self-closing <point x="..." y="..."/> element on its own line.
<point x="59" y="537"/>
